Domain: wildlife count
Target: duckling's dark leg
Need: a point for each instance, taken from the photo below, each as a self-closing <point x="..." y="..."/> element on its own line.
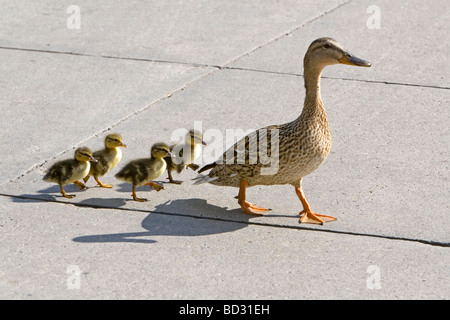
<point x="80" y="185"/>
<point x="101" y="184"/>
<point x="308" y="216"/>
<point x="85" y="179"/>
<point x="169" y="172"/>
<point x="64" y="193"/>
<point x="155" y="186"/>
<point x="135" y="197"/>
<point x="246" y="206"/>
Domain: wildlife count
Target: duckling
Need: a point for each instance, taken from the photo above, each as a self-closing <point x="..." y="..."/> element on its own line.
<point x="303" y="144"/>
<point x="107" y="158"/>
<point x="139" y="172"/>
<point x="71" y="170"/>
<point x="184" y="154"/>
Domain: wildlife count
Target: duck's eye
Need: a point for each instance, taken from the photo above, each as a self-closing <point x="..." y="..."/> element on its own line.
<point x="326" y="46"/>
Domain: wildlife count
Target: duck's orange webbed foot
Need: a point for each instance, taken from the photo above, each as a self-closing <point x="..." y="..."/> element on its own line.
<point x="246" y="206"/>
<point x="250" y="208"/>
<point x="308" y="216"/>
<point x="314" y="218"/>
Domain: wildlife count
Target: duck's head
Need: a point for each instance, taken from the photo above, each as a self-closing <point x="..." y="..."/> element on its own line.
<point x="160" y="150"/>
<point x="195" y="137"/>
<point x="114" y="140"/>
<point x="327" y="51"/>
<point x="84" y="154"/>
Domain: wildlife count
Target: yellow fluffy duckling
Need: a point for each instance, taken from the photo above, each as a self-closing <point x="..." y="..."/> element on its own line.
<point x="141" y="171"/>
<point x="71" y="170"/>
<point x="107" y="158"/>
<point x="184" y="154"/>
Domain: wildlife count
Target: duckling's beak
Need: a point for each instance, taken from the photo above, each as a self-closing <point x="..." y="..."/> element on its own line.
<point x="123" y="145"/>
<point x="93" y="159"/>
<point x="170" y="154"/>
<point x="348" y="58"/>
<point x="199" y="140"/>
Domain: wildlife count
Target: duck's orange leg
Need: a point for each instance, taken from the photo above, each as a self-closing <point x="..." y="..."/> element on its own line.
<point x="246" y="206"/>
<point x="308" y="216"/>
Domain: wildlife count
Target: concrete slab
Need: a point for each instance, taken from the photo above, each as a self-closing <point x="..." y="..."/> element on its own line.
<point x="376" y="180"/>
<point x="210" y="32"/>
<point x="386" y="179"/>
<point x="115" y="254"/>
<point x="409" y="46"/>
<point x="51" y="103"/>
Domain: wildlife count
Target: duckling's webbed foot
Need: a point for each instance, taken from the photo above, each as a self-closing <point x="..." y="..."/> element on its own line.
<point x="155" y="185"/>
<point x="139" y="199"/>
<point x="102" y="185"/>
<point x="171" y="178"/>
<point x="135" y="196"/>
<point x="175" y="181"/>
<point x="193" y="166"/>
<point x="64" y="194"/>
<point x="80" y="185"/>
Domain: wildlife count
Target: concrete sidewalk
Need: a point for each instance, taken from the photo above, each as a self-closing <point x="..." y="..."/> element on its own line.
<point x="145" y="69"/>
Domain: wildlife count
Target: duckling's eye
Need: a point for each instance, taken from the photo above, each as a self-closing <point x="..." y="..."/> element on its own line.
<point x="326" y="46"/>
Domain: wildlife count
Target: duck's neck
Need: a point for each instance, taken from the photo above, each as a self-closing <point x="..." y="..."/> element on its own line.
<point x="313" y="108"/>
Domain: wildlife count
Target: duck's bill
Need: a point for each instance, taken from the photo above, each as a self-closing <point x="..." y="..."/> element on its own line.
<point x="123" y="145"/>
<point x="93" y="159"/>
<point x="350" y="59"/>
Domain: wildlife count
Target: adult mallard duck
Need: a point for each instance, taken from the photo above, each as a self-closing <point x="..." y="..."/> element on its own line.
<point x="107" y="158"/>
<point x="301" y="145"/>
<point x="184" y="154"/>
<point x="139" y="172"/>
<point x="71" y="170"/>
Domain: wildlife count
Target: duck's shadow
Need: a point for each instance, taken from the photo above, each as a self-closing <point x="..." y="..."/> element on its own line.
<point x="183" y="217"/>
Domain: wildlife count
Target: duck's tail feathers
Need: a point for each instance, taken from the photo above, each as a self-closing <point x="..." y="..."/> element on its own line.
<point x="201" y="178"/>
<point x="207" y="167"/>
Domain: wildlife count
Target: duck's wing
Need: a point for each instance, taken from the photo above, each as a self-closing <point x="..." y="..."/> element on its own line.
<point x="245" y="158"/>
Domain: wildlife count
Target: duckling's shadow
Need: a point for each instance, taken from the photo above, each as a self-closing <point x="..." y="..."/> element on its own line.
<point x="176" y="218"/>
<point x="126" y="187"/>
<point x="55" y="190"/>
<point x="52" y="193"/>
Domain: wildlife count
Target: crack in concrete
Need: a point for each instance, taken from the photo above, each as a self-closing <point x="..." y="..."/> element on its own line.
<point x="263" y="224"/>
<point x="286" y="33"/>
<point x="225" y="66"/>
